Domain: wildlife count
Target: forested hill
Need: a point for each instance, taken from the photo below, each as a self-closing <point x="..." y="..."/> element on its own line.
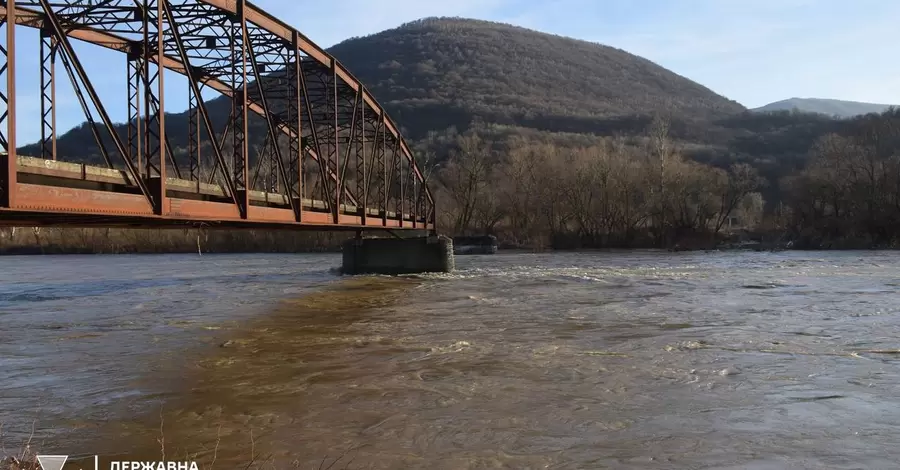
<point x="441" y="72"/>
<point x="437" y="73"/>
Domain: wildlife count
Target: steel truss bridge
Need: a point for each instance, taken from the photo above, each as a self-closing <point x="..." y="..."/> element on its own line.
<point x="331" y="158"/>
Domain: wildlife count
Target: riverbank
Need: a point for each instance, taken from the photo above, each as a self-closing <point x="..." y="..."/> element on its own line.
<point x="737" y="240"/>
<point x="68" y="240"/>
<point x="81" y="241"/>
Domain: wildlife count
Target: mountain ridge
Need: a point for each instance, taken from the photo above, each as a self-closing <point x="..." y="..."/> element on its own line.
<point x="516" y="76"/>
<point x="827" y="106"/>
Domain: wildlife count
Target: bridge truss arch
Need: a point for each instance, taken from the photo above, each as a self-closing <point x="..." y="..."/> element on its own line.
<point x="331" y="157"/>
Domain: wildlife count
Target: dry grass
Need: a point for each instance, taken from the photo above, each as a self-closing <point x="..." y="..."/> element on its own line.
<point x="26" y="459"/>
<point x="15" y="463"/>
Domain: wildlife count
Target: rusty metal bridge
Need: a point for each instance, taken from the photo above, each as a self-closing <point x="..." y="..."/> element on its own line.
<point x="330" y="158"/>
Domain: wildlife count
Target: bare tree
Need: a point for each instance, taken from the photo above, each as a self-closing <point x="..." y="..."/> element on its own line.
<point x="742" y="180"/>
<point x="465" y="178"/>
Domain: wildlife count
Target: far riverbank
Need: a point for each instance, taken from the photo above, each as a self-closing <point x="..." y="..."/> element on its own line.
<point x="81" y="241"/>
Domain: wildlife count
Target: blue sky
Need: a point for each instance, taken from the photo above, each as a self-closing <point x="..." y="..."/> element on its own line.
<point x="752" y="51"/>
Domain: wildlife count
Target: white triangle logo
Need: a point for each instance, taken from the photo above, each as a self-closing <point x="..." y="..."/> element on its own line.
<point x="52" y="462"/>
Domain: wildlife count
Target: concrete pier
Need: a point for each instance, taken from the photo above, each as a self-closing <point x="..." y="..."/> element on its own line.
<point x="398" y="256"/>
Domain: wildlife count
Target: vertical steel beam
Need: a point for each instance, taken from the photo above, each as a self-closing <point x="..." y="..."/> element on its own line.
<point x="400" y="168"/>
<point x="295" y="147"/>
<point x="134" y="134"/>
<point x="239" y="148"/>
<point x="8" y="96"/>
<point x="415" y="209"/>
<point x="337" y="153"/>
<point x="48" y="94"/>
<point x="193" y="134"/>
<point x="361" y="160"/>
<point x="154" y="135"/>
<point x="161" y="208"/>
<point x="232" y="131"/>
<point x="145" y="81"/>
<point x="384" y="173"/>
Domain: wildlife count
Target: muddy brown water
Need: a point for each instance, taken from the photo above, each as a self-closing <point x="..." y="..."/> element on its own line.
<point x="564" y="360"/>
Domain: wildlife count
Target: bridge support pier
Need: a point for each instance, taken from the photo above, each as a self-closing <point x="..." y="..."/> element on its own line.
<point x="393" y="256"/>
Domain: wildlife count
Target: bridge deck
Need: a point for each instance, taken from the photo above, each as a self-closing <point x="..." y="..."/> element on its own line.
<point x="52" y="192"/>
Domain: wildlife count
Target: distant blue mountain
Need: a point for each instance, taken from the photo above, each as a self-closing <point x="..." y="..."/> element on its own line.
<point x="830" y="107"/>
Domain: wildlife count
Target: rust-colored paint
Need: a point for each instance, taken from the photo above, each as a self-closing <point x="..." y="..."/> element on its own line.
<point x="203" y="210"/>
<point x="337" y="145"/>
<point x="144" y="199"/>
<point x="7" y="181"/>
<point x="9" y="174"/>
<point x="241" y="147"/>
<point x="273" y="214"/>
<point x="114" y="42"/>
<point x="162" y="203"/>
<point x="392" y="223"/>
<point x="52" y="199"/>
<point x="298" y="71"/>
<point x="317" y="218"/>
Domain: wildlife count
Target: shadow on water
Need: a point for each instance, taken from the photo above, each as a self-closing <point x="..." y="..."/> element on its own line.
<point x="233" y="402"/>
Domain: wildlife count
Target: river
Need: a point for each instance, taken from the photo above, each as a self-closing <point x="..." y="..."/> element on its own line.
<point x="558" y="360"/>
